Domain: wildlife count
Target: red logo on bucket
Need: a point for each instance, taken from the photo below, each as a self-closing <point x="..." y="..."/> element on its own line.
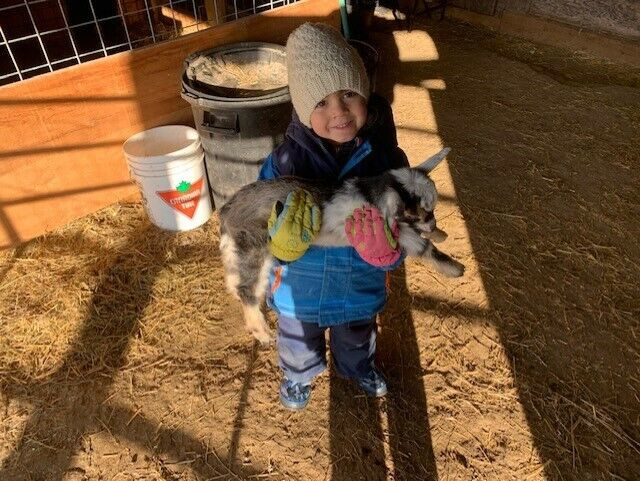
<point x="185" y="198"/>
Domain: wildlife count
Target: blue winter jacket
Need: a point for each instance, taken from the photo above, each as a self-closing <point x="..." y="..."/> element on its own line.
<point x="333" y="285"/>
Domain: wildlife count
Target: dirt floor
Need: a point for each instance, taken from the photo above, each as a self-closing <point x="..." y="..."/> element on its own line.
<point x="123" y="358"/>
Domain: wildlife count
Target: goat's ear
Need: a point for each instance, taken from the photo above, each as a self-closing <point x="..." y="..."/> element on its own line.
<point x="433" y="161"/>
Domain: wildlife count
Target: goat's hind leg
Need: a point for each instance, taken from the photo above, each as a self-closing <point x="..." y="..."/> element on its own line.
<point x="247" y="276"/>
<point x="254" y="276"/>
<point x="417" y="246"/>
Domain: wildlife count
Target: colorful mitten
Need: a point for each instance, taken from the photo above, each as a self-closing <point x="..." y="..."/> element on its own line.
<point x="293" y="226"/>
<point x="372" y="238"/>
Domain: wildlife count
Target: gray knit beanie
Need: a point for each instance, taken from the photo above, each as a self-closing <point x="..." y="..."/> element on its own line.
<point x="319" y="63"/>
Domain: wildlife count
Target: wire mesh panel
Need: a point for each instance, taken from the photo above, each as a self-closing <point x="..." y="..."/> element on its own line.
<point x="40" y="36"/>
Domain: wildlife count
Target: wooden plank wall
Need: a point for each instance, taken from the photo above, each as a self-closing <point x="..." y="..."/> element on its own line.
<point x="61" y="134"/>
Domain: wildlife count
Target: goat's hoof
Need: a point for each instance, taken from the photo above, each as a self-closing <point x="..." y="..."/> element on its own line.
<point x="450" y="268"/>
<point x="264" y="338"/>
<point x="438" y="235"/>
<point x="455" y="269"/>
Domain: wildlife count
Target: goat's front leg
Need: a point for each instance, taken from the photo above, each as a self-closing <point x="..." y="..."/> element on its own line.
<point x="417" y="246"/>
<point x="430" y="231"/>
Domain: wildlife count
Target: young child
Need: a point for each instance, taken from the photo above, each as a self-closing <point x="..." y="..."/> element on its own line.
<point x="338" y="131"/>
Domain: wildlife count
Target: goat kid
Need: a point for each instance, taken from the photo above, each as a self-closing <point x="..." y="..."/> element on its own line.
<point x="406" y="195"/>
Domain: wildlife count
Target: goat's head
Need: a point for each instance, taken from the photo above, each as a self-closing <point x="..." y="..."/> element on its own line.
<point x="418" y="193"/>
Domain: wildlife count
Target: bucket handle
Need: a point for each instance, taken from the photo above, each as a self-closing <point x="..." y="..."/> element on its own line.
<point x="222" y="124"/>
<point x="218" y="130"/>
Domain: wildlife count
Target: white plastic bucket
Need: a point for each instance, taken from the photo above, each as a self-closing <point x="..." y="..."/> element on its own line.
<point x="167" y="165"/>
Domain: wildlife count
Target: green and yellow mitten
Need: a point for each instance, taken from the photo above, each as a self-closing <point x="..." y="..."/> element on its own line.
<point x="293" y="226"/>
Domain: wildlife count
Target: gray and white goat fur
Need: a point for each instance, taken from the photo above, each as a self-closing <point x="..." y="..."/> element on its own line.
<point x="406" y="195"/>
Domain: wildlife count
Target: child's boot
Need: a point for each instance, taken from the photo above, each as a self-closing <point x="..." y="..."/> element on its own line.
<point x="373" y="384"/>
<point x="294" y="395"/>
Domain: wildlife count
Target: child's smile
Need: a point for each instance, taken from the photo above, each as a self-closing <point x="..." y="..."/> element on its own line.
<point x="343" y="126"/>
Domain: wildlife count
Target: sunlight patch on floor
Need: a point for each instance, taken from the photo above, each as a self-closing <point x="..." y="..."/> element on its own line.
<point x="469" y="374"/>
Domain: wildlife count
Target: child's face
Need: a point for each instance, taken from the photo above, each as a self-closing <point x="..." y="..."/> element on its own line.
<point x="339" y="116"/>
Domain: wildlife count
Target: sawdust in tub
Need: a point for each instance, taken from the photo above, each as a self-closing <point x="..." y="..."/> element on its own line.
<point x="239" y="73"/>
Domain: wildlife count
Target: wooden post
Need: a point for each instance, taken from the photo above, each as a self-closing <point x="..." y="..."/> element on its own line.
<point x="216" y="11"/>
